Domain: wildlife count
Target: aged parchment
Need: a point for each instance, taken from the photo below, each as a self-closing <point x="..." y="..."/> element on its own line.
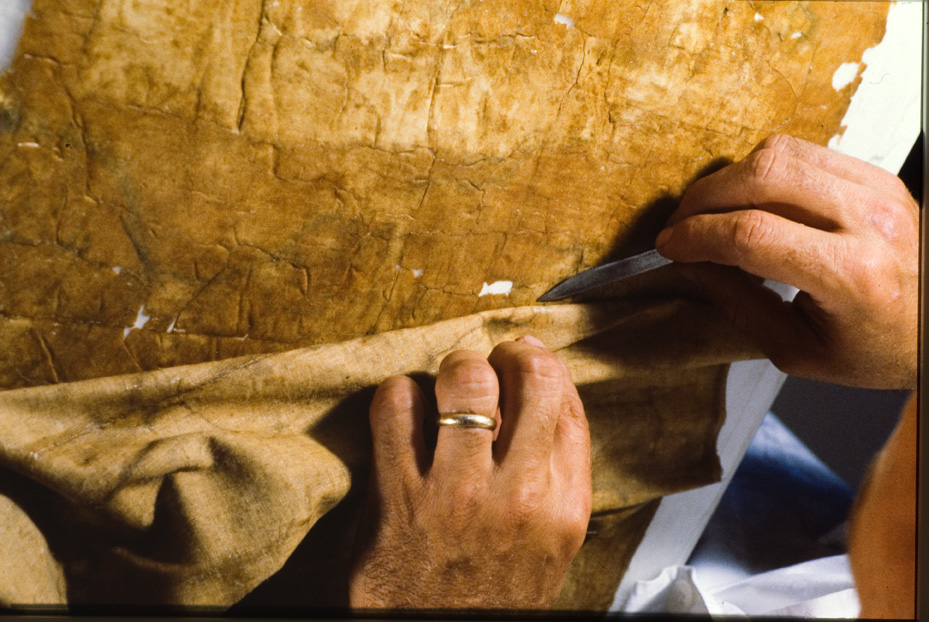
<point x="235" y="177"/>
<point x="187" y="182"/>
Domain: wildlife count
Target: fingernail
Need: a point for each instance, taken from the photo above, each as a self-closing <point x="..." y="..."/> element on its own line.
<point x="663" y="237"/>
<point x="532" y="341"/>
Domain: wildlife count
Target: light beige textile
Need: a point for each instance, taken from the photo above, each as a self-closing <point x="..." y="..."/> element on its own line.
<point x="192" y="485"/>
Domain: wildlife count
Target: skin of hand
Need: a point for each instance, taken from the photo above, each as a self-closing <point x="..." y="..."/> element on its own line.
<point x="882" y="528"/>
<point x="485" y="519"/>
<point x="842" y="231"/>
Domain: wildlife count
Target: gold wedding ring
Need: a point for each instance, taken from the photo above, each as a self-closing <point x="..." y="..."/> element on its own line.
<point x="468" y="420"/>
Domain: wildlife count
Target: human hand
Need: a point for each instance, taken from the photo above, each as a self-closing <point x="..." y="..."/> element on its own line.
<point x="842" y="231"/>
<point x="489" y="519"/>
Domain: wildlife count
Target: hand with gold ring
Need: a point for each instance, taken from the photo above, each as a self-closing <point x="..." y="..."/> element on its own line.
<point x="494" y="513"/>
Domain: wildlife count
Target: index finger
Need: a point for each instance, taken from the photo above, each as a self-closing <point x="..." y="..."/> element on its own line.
<point x="760" y="243"/>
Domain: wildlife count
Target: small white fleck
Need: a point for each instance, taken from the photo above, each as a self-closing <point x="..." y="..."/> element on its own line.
<point x="796" y="35"/>
<point x="141" y="319"/>
<point x="758" y="17"/>
<point x="34" y="455"/>
<point x="398" y="267"/>
<point x="117" y="270"/>
<point x="417" y="273"/>
<point x="171" y="327"/>
<point x="30" y="145"/>
<point x="449" y="47"/>
<point x="533" y="51"/>
<point x="500" y="287"/>
<point x="844" y="75"/>
<point x="564" y="19"/>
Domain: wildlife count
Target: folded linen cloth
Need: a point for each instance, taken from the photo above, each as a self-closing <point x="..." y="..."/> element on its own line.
<point x="193" y="485"/>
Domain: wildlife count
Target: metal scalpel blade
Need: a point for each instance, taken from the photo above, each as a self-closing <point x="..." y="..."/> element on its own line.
<point x="607" y="273"/>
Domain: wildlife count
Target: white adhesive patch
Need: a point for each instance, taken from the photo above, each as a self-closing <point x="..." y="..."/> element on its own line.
<point x="417" y="273"/>
<point x="844" y="75"/>
<point x="500" y="287"/>
<point x="564" y="19"/>
<point x="141" y="319"/>
<point x="12" y="15"/>
<point x="883" y="119"/>
<point x="758" y="17"/>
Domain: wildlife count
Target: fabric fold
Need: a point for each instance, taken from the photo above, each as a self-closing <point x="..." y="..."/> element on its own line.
<point x="193" y="485"/>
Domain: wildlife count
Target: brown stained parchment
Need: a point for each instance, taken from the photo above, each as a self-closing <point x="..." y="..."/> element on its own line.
<point x="185" y="182"/>
<point x="190" y="181"/>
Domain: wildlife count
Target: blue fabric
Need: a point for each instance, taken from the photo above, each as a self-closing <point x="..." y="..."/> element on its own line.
<point x="778" y="507"/>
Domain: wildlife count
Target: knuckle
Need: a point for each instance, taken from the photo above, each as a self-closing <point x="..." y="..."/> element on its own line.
<point x="470" y="374"/>
<point x="396" y="394"/>
<point x="872" y="276"/>
<point x="574" y="530"/>
<point x="751" y="230"/>
<point x="543" y="366"/>
<point x="573" y="407"/>
<point x="893" y="219"/>
<point x="528" y="502"/>
<point x="865" y="272"/>
<point x="463" y="501"/>
<point x="783" y="143"/>
<point x="766" y="166"/>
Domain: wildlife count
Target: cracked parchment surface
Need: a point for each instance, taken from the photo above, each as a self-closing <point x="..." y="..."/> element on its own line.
<point x="253" y="176"/>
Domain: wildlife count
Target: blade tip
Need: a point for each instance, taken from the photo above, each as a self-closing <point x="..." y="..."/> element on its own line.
<point x="549" y="296"/>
